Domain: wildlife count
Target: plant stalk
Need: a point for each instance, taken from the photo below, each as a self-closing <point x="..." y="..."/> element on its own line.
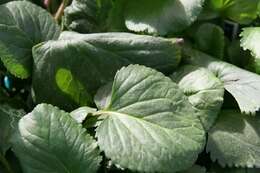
<point x="6" y="164"/>
<point x="60" y="10"/>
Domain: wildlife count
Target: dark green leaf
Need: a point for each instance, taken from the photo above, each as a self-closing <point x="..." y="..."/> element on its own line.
<point x="161" y="17"/>
<point x="81" y="113"/>
<point x="240" y="11"/>
<point x="150" y="126"/>
<point x="49" y="140"/>
<point x="9" y="118"/>
<point x="243" y="85"/>
<point x="22" y="26"/>
<point x="210" y="39"/>
<point x="91" y="60"/>
<point x="204" y="90"/>
<point x="82" y="16"/>
<point x="234" y="140"/>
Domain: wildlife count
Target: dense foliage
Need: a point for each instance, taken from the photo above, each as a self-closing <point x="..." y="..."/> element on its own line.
<point x="130" y="86"/>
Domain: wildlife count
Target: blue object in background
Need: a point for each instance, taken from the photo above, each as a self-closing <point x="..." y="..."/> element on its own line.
<point x="7" y="82"/>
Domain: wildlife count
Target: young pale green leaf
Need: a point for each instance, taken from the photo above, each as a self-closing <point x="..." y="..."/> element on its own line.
<point x="22" y="26"/>
<point x="49" y="140"/>
<point x="204" y="91"/>
<point x="234" y="140"/>
<point x="243" y="85"/>
<point x="103" y="96"/>
<point x="251" y="41"/>
<point x="150" y="126"/>
<point x="81" y="113"/>
<point x="211" y="41"/>
<point x="240" y="11"/>
<point x="91" y="60"/>
<point x="161" y="17"/>
<point x="9" y="118"/>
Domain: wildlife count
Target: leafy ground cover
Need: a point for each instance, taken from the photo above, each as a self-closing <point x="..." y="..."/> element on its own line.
<point x="130" y="86"/>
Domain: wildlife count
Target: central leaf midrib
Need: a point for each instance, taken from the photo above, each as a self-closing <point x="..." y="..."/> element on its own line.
<point x="111" y="113"/>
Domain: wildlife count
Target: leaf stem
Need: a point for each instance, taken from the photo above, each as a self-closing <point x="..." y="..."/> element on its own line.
<point x="6" y="164"/>
<point x="60" y="10"/>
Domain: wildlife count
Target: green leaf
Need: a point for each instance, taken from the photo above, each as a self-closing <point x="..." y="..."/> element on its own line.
<point x="103" y="96"/>
<point x="215" y="168"/>
<point x="23" y="26"/>
<point x="237" y="56"/>
<point x="91" y="60"/>
<point x="161" y="17"/>
<point x="211" y="41"/>
<point x="234" y="140"/>
<point x="82" y="16"/>
<point x="243" y="85"/>
<point x="204" y="90"/>
<point x="149" y="124"/>
<point x="240" y="11"/>
<point x="9" y="118"/>
<point x="250" y="41"/>
<point x="116" y="21"/>
<point x="195" y="169"/>
<point x="81" y="113"/>
<point x="49" y="140"/>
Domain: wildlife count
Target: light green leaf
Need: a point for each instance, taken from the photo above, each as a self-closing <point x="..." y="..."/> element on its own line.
<point x="22" y="26"/>
<point x="250" y="41"/>
<point x="92" y="60"/>
<point x="103" y="96"/>
<point x="49" y="140"/>
<point x="81" y="113"/>
<point x="204" y="90"/>
<point x="9" y="118"/>
<point x="234" y="140"/>
<point x="243" y="85"/>
<point x="211" y="41"/>
<point x="240" y="11"/>
<point x="161" y="17"/>
<point x="150" y="126"/>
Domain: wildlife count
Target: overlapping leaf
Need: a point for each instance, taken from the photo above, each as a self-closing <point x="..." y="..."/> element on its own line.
<point x="149" y="124"/>
<point x="81" y="16"/>
<point x="243" y="85"/>
<point x="250" y="41"/>
<point x="204" y="90"/>
<point x="161" y="17"/>
<point x="49" y="140"/>
<point x="22" y="26"/>
<point x="9" y="118"/>
<point x="210" y="39"/>
<point x="81" y="113"/>
<point x="91" y="60"/>
<point x="234" y="140"/>
<point x="240" y="11"/>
